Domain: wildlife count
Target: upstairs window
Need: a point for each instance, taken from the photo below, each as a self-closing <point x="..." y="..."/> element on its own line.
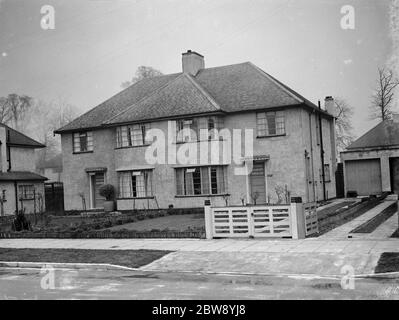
<point x="132" y="136"/>
<point x="270" y="123"/>
<point x="200" y="181"/>
<point x="83" y="141"/>
<point x="135" y="184"/>
<point x="198" y="129"/>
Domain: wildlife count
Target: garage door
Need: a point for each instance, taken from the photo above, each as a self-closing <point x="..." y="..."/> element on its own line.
<point x="363" y="176"/>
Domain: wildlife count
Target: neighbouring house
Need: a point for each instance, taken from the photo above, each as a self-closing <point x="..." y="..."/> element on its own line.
<point x="20" y="186"/>
<point x="294" y="153"/>
<point x="371" y="163"/>
<point x="51" y="168"/>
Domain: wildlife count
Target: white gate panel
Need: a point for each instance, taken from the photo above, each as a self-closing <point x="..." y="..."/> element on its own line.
<point x="231" y="222"/>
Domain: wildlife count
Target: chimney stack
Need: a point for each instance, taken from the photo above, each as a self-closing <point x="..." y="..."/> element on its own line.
<point x="192" y="62"/>
<point x="329" y="105"/>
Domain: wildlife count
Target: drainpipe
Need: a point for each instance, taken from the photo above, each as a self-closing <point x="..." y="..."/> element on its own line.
<point x="323" y="177"/>
<point x="16" y="195"/>
<point x="311" y="155"/>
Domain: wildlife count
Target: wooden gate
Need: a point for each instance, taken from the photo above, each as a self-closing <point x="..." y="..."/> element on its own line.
<point x="54" y="196"/>
<point x="252" y="221"/>
<point x="311" y="222"/>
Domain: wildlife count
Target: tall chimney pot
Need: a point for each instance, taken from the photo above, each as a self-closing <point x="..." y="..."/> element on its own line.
<point x="192" y="62"/>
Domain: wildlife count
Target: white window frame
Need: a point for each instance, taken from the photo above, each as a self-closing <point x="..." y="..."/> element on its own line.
<point x="77" y="141"/>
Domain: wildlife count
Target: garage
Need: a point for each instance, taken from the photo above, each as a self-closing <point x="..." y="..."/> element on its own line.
<point x="363" y="176"/>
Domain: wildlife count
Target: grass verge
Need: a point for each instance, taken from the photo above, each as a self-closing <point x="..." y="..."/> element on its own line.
<point x="127" y="258"/>
<point x="388" y="262"/>
<point x="372" y="224"/>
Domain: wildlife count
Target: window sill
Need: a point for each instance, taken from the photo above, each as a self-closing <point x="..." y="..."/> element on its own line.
<point x="137" y="198"/>
<point x="27" y="199"/>
<point x="195" y="141"/>
<point x="80" y="152"/>
<point x="129" y="147"/>
<point x="271" y="136"/>
<point x="202" y="195"/>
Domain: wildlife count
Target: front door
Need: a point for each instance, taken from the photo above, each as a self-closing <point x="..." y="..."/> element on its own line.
<point x="258" y="183"/>
<point x="97" y="180"/>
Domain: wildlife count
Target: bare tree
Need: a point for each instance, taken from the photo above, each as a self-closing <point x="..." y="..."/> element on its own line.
<point x="344" y="135"/>
<point x="13" y="109"/>
<point x="18" y="106"/>
<point x="5" y="114"/>
<point x="382" y="102"/>
<point x="142" y="72"/>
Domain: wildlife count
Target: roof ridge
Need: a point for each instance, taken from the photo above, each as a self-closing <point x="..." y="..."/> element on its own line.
<point x="277" y="83"/>
<point x="143" y="99"/>
<point x="203" y="91"/>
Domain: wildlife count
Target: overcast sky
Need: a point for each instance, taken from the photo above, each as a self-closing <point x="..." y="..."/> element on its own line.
<point x="98" y="44"/>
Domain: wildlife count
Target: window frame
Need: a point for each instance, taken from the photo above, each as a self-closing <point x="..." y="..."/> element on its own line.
<point x="26" y="195"/>
<point x="213" y="124"/>
<point x="209" y="179"/>
<point x="132" y="135"/>
<point x="146" y="188"/>
<point x="263" y="121"/>
<point x="77" y="137"/>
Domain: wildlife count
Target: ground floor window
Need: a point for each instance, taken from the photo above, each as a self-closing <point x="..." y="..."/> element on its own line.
<point x="200" y="180"/>
<point x="135" y="184"/>
<point x="327" y="176"/>
<point x="26" y="192"/>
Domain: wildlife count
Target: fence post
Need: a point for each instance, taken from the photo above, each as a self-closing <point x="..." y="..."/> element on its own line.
<point x="297" y="221"/>
<point x="208" y="219"/>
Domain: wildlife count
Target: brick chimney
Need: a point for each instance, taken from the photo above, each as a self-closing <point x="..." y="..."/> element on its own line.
<point x="192" y="62"/>
<point x="329" y="105"/>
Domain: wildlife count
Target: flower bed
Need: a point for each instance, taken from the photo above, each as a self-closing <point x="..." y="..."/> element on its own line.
<point x="106" y="234"/>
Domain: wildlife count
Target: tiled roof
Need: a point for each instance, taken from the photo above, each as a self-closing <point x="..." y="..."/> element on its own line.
<point x="19" y="139"/>
<point x="385" y="134"/>
<point x="179" y="97"/>
<point x="119" y="102"/>
<point x="232" y="88"/>
<point x="21" y="176"/>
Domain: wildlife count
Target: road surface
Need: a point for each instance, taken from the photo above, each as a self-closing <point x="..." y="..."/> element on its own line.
<point x="89" y="284"/>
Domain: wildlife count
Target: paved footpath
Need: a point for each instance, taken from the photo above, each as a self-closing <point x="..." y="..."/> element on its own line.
<point x="308" y="256"/>
<point x="343" y="231"/>
<point x="315" y="245"/>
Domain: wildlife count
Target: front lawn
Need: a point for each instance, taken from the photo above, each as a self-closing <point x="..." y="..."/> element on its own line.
<point x="126" y="258"/>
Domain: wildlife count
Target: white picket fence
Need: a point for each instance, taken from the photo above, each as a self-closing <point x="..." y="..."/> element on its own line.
<point x="292" y="220"/>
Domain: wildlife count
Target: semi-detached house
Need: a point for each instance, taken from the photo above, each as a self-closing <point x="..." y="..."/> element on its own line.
<point x="294" y="151"/>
